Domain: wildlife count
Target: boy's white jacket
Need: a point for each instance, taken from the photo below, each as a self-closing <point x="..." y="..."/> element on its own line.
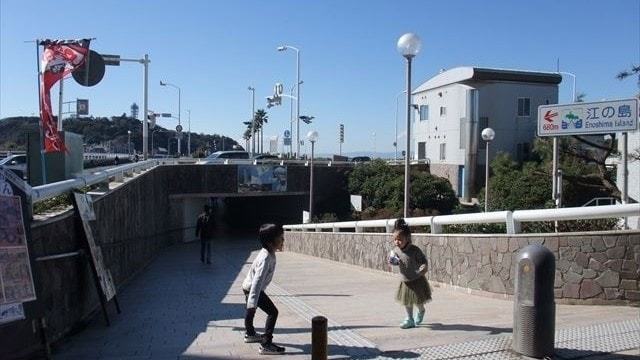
<point x="259" y="276"/>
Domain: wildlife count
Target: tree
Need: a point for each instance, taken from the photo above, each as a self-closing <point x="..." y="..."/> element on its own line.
<point x="635" y="70"/>
<point x="260" y="119"/>
<point x="382" y="187"/>
<point x="515" y="186"/>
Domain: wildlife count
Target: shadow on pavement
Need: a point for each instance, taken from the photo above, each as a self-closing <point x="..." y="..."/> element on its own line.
<point x="168" y="306"/>
<point x="566" y="354"/>
<point x="303" y="295"/>
<point x="466" y="327"/>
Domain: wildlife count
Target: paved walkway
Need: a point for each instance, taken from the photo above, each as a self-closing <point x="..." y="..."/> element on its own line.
<point x="180" y="308"/>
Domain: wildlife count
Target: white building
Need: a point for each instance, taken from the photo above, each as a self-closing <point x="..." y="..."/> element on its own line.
<point x="457" y="104"/>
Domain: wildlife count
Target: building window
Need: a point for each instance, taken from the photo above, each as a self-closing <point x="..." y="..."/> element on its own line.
<point x="443" y="111"/>
<point x="422" y="150"/>
<point x="524" y="107"/>
<point x="443" y="151"/>
<point x="424" y="112"/>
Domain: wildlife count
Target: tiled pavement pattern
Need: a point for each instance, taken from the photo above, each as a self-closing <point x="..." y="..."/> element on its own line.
<point x="180" y="308"/>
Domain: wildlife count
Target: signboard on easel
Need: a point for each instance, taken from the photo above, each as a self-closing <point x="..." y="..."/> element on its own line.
<point x="106" y="288"/>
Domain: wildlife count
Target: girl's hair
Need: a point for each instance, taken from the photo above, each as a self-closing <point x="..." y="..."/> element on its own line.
<point x="402" y="228"/>
<point x="268" y="234"/>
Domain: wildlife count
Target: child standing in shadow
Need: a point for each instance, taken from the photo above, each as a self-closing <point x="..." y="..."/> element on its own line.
<point x="414" y="289"/>
<point x="271" y="238"/>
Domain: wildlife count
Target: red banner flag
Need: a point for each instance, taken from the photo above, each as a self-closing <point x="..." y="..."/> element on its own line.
<point x="59" y="59"/>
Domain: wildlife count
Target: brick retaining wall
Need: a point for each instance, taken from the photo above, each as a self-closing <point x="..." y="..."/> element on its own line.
<point x="591" y="268"/>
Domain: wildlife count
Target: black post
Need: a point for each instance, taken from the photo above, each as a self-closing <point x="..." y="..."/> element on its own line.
<point x="319" y="338"/>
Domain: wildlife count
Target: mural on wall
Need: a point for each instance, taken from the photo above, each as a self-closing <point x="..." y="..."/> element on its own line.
<point x="262" y="178"/>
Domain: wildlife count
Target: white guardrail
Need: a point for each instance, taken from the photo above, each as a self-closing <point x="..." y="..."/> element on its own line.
<point x="102" y="156"/>
<point x="48" y="191"/>
<point x="512" y="220"/>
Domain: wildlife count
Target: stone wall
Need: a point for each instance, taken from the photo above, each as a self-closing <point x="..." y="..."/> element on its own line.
<point x="591" y="268"/>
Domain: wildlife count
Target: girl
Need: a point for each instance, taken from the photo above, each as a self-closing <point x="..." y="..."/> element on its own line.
<point x="260" y="274"/>
<point x="414" y="288"/>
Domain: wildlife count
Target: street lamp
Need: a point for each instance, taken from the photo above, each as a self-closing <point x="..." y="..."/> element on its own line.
<point x="129" y="142"/>
<point x="487" y="135"/>
<point x="312" y="136"/>
<point x="395" y="141"/>
<point x="408" y="46"/>
<point x="291" y="116"/>
<point x="373" y="135"/>
<point x="189" y="136"/>
<point x="283" y="48"/>
<point x="253" y="119"/>
<point x="179" y="123"/>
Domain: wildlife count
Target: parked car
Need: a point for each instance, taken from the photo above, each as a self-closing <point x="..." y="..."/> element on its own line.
<point x="16" y="163"/>
<point x="219" y="157"/>
<point x="359" y="159"/>
<point x="266" y="157"/>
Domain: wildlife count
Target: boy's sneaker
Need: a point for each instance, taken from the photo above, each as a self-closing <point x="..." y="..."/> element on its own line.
<point x="271" y="349"/>
<point x="252" y="338"/>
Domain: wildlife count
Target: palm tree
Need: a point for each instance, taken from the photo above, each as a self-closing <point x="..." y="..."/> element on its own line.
<point x="626" y="73"/>
<point x="247" y="135"/>
<point x="261" y="118"/>
<point x="635" y="70"/>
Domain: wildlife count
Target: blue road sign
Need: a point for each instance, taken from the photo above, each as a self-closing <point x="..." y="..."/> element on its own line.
<point x="287" y="134"/>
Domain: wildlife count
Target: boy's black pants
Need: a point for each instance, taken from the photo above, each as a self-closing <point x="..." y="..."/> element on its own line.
<point x="266" y="305"/>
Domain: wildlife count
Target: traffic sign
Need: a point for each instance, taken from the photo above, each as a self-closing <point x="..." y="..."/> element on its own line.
<point x="601" y="117"/>
<point x="278" y="89"/>
<point x="287" y="134"/>
<point x="179" y="128"/>
<point x="94" y="73"/>
<point x="82" y="106"/>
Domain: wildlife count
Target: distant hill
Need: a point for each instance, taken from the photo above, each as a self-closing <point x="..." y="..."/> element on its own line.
<point x="110" y="133"/>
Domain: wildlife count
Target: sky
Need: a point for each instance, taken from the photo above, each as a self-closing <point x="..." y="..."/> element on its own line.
<point x="352" y="72"/>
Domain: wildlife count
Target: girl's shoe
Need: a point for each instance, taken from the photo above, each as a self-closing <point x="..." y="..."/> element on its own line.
<point x="408" y="324"/>
<point x="419" y="317"/>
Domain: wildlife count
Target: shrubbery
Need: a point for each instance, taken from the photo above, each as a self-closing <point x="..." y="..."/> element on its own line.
<point x="382" y="189"/>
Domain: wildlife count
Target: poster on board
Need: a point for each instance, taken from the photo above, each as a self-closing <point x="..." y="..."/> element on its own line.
<point x="16" y="279"/>
<point x="11" y="312"/>
<point x="262" y="178"/>
<point x="84" y="206"/>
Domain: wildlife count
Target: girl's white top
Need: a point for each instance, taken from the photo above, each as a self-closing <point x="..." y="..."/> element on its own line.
<point x="259" y="276"/>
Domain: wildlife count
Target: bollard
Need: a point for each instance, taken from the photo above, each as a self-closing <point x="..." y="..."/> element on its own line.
<point x="319" y="338"/>
<point x="533" y="303"/>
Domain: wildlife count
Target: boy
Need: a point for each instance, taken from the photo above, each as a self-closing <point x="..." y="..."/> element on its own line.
<point x="271" y="238"/>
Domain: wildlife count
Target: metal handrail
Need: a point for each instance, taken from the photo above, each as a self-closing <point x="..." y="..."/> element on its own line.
<point x="47" y="191"/>
<point x="610" y="200"/>
<point x="512" y="220"/>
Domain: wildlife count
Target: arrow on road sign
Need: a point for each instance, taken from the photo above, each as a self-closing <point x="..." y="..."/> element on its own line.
<point x="550" y="115"/>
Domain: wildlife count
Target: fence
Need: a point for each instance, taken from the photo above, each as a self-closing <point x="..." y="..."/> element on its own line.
<point x="511" y="219"/>
<point x="48" y="191"/>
